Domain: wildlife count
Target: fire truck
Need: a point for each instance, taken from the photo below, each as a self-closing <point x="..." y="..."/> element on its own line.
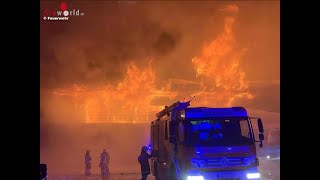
<point x="202" y="143"/>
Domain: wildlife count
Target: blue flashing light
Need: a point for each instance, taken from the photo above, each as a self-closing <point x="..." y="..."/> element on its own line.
<point x="149" y="147"/>
<point x="214" y="112"/>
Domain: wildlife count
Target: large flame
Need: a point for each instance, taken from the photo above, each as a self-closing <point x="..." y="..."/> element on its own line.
<point x="126" y="102"/>
<point x="217" y="68"/>
<point x="219" y="79"/>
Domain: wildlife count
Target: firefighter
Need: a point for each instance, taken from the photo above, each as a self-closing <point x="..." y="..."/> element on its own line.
<point x="87" y="163"/>
<point x="104" y="162"/>
<point x="144" y="163"/>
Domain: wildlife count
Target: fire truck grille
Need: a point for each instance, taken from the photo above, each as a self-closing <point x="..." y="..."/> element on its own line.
<point x="222" y="162"/>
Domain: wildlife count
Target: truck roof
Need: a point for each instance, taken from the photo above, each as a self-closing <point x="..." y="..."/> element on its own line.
<point x="203" y="112"/>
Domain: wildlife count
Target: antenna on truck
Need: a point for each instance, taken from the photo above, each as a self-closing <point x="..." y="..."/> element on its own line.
<point x="191" y="99"/>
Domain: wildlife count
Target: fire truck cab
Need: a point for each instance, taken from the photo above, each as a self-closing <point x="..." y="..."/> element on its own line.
<point x="200" y="143"/>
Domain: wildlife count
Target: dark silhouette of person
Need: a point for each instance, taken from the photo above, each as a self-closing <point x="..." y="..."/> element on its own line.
<point x="104" y="162"/>
<point x="43" y="172"/>
<point x="87" y="162"/>
<point x="144" y="163"/>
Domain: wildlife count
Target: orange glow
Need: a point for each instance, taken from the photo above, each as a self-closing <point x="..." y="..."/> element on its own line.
<point x="217" y="69"/>
<point x="128" y="101"/>
<point x="219" y="79"/>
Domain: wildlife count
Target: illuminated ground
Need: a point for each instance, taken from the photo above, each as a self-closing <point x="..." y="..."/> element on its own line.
<point x="66" y="162"/>
<point x="270" y="170"/>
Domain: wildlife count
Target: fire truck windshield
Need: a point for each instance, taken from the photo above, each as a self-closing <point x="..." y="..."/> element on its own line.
<point x="218" y="132"/>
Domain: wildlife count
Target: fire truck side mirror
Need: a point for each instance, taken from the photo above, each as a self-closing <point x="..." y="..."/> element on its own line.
<point x="261" y="137"/>
<point x="261" y="131"/>
<point x="260" y="126"/>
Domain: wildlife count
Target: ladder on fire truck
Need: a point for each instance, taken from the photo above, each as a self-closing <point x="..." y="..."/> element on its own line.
<point x="178" y="105"/>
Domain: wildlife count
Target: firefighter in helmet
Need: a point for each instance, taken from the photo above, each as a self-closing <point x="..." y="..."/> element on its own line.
<point x="104" y="162"/>
<point x="144" y="162"/>
<point x="87" y="163"/>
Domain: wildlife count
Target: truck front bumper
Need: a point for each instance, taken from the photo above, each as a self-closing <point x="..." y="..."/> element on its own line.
<point x="249" y="174"/>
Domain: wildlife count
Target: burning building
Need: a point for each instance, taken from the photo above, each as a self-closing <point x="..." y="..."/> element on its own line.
<point x="110" y="71"/>
<point x="218" y="81"/>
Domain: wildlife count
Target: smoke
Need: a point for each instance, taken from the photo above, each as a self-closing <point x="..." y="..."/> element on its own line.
<point x="94" y="48"/>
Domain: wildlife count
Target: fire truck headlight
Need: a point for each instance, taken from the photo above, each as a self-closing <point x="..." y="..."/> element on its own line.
<point x="195" y="178"/>
<point x="253" y="175"/>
